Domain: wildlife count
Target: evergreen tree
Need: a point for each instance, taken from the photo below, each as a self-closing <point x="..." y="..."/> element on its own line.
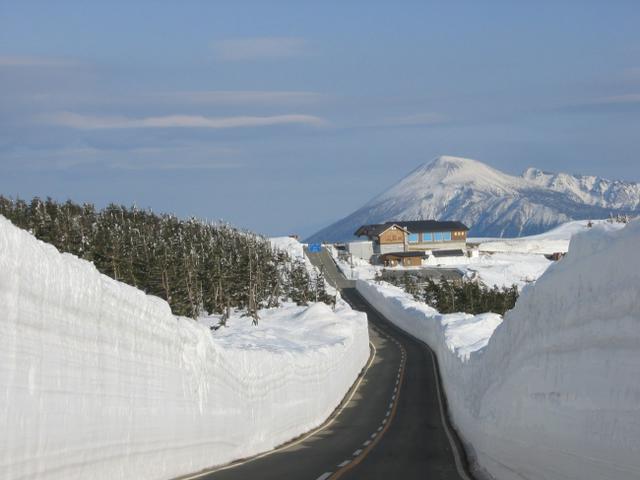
<point x="196" y="266"/>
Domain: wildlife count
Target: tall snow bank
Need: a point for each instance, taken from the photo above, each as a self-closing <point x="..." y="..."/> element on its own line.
<point x="99" y="380"/>
<point x="555" y="393"/>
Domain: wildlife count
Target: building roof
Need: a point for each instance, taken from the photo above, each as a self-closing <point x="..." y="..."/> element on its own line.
<point x="414" y="253"/>
<point x="448" y="253"/>
<point x="418" y="226"/>
<point x="411" y="226"/>
<point x="376" y="229"/>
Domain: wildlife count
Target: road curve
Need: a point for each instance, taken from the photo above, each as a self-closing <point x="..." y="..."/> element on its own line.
<point x="391" y="426"/>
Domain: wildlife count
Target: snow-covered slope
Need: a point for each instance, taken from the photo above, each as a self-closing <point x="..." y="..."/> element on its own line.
<point x="555" y="240"/>
<point x="100" y="381"/>
<point x="554" y="394"/>
<point x="492" y="203"/>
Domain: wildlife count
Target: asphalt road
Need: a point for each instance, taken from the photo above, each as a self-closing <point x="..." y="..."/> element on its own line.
<point x="391" y="426"/>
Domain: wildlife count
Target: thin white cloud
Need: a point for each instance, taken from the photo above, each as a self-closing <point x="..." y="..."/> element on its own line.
<point x="258" y="48"/>
<point x="241" y="97"/>
<point x="90" y="122"/>
<point x="22" y="61"/>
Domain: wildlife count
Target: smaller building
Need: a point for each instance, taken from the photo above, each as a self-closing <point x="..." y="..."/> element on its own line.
<point x="363" y="250"/>
<point x="406" y="259"/>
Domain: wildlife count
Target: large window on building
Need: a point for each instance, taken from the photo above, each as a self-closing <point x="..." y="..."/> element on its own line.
<point x="446" y="236"/>
<point x="427" y="237"/>
<point x="413" y="238"/>
<point x="437" y="236"/>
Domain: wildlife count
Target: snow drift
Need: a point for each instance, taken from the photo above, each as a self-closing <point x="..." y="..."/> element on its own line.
<point x="100" y="381"/>
<point x="555" y="392"/>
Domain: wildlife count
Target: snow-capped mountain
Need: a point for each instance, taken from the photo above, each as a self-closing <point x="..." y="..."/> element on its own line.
<point x="490" y="202"/>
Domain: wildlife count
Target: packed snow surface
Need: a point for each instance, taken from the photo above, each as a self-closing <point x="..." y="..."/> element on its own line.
<point x="490" y="202"/>
<point x="100" y="381"/>
<point x="554" y="394"/>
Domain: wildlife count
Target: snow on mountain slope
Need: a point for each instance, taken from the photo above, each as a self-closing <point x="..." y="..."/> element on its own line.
<point x="555" y="240"/>
<point x="554" y="393"/>
<point x="100" y="381"/>
<point x="491" y="203"/>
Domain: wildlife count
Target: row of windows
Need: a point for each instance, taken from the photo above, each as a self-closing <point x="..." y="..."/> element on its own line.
<point x="429" y="237"/>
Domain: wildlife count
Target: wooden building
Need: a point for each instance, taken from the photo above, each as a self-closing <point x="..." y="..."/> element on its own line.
<point x="415" y="235"/>
<point x="406" y="259"/>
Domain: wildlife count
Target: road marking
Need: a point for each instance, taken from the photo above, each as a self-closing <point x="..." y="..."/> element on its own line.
<point x="454" y="447"/>
<point x="390" y="404"/>
<point x="382" y="430"/>
<point x="366" y="443"/>
<point x="302" y="439"/>
<point x="344" y="464"/>
<point x="324" y="476"/>
<point x="357" y="452"/>
<point x="388" y="413"/>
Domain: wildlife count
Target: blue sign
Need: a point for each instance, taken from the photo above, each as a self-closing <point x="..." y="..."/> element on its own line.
<point x="315" y="248"/>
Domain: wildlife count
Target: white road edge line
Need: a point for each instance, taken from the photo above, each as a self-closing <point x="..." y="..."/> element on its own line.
<point x="357" y="452"/>
<point x="366" y="443"/>
<point x="302" y="439"/>
<point x="454" y="447"/>
<point x="345" y="463"/>
<point x="324" y="476"/>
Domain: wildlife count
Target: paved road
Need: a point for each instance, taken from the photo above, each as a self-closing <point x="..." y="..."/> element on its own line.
<point x="391" y="427"/>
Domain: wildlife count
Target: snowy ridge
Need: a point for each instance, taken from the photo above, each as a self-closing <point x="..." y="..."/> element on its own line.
<point x="554" y="393"/>
<point x="490" y="202"/>
<point x="101" y="381"/>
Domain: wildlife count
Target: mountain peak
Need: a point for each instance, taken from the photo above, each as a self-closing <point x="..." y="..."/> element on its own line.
<point x="461" y="172"/>
<point x="452" y="163"/>
<point x="491" y="202"/>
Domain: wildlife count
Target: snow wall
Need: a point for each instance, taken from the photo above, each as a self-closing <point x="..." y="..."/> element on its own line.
<point x="100" y="381"/>
<point x="555" y="394"/>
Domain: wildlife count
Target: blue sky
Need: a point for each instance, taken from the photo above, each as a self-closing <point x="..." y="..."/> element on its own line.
<point x="285" y="116"/>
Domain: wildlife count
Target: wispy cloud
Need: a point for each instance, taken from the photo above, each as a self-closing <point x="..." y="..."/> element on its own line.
<point x="22" y="61"/>
<point x="258" y="48"/>
<point x="91" y="122"/>
<point x="241" y="97"/>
